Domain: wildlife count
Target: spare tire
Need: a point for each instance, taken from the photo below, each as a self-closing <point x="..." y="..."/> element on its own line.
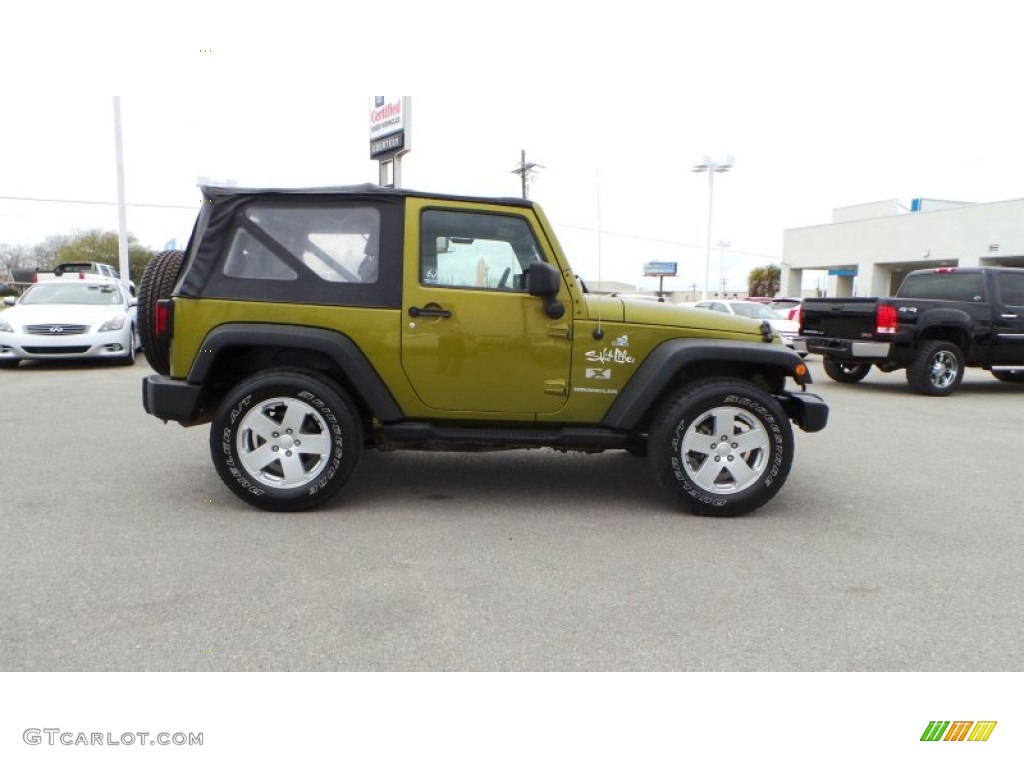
<point x="157" y="283"/>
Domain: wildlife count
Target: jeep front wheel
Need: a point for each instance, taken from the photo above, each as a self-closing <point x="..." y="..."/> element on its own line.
<point x="721" y="447"/>
<point x="285" y="440"/>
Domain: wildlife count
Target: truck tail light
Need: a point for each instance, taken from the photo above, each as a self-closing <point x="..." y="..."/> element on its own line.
<point x="163" y="318"/>
<point x="886" y="319"/>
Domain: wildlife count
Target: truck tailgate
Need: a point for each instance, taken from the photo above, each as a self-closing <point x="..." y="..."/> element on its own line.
<point x="839" y="318"/>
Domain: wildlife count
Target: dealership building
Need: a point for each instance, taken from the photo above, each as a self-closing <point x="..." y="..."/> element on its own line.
<point x="868" y="249"/>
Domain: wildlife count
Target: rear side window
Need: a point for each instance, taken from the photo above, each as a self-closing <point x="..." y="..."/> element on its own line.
<point x="1011" y="288"/>
<point x="316" y="249"/>
<point x="339" y="245"/>
<point x="948" y="286"/>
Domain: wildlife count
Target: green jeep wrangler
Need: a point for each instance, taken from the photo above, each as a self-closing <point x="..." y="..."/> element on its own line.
<point x="309" y="325"/>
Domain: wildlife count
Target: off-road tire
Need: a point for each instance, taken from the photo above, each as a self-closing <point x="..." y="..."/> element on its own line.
<point x="269" y="467"/>
<point x="157" y="282"/>
<point x="1015" y="376"/>
<point x="937" y="368"/>
<point x="844" y="372"/>
<point x="685" y="447"/>
<point x="9" y="363"/>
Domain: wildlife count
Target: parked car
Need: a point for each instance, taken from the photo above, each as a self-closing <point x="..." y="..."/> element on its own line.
<point x="306" y="326"/>
<point x="787" y="329"/>
<point x="69" y="319"/>
<point x="75" y="270"/>
<point x="940" y="322"/>
<point x="789" y="308"/>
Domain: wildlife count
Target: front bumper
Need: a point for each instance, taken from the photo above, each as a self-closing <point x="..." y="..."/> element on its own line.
<point x="26" y="346"/>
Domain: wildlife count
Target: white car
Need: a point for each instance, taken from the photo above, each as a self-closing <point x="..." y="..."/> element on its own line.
<point x="787" y="329"/>
<point x="69" y="319"/>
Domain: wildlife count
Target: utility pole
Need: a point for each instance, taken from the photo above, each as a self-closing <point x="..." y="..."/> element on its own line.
<point x="525" y="170"/>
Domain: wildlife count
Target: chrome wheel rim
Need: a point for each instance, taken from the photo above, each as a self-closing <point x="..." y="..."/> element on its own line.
<point x="283" y="442"/>
<point x="725" y="450"/>
<point x="944" y="369"/>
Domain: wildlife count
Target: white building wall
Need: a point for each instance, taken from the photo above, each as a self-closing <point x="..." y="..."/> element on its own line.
<point x="879" y="248"/>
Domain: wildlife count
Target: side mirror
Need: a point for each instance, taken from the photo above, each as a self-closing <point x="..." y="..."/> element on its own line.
<point x="10" y="301"/>
<point x="544" y="281"/>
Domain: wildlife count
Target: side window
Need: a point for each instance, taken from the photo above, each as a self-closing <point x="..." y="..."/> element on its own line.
<point x="1011" y="288"/>
<point x="338" y="245"/>
<point x="487" y="251"/>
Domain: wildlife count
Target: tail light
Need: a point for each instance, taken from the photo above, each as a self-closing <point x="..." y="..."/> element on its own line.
<point x="885" y="319"/>
<point x="163" y="319"/>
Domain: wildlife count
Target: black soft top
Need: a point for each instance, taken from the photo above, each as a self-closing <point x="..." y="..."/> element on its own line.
<point x="224" y="194"/>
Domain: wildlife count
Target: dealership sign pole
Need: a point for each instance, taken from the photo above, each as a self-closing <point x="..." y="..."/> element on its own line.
<point x="660" y="270"/>
<point x="390" y="135"/>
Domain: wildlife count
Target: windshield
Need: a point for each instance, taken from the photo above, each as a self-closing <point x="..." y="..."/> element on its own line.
<point x="73" y="293"/>
<point x="756" y="311"/>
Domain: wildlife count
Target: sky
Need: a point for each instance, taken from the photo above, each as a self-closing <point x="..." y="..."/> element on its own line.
<point x="821" y="104"/>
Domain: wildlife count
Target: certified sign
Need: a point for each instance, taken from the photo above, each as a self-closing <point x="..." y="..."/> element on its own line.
<point x="389" y="125"/>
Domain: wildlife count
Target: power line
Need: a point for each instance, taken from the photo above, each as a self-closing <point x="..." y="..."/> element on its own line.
<point x="664" y="242"/>
<point x="94" y="202"/>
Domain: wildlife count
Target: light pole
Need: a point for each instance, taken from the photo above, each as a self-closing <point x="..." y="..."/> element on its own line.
<point x="711" y="166"/>
<point x="722" y="245"/>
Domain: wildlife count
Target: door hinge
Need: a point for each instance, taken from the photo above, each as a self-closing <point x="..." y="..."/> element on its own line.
<point x="558" y="387"/>
<point x="560" y="332"/>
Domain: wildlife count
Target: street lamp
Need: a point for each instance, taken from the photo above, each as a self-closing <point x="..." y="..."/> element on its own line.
<point x="722" y="245"/>
<point x="711" y="166"/>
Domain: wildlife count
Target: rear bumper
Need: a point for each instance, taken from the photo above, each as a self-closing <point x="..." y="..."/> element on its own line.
<point x="843" y="349"/>
<point x="173" y="400"/>
<point x="807" y="410"/>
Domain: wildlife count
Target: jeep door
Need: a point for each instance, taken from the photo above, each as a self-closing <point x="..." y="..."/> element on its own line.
<point x="473" y="338"/>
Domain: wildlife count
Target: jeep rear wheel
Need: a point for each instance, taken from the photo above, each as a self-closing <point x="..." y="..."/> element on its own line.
<point x="937" y="368"/>
<point x="721" y="447"/>
<point x="844" y="372"/>
<point x="157" y="282"/>
<point x="285" y="440"/>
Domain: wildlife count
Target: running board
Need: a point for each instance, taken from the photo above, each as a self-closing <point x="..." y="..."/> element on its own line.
<point x="571" y="438"/>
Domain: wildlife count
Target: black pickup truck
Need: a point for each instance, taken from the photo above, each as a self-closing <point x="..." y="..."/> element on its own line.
<point x="940" y="322"/>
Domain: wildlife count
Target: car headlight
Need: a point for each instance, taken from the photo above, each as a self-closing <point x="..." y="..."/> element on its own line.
<point x="5" y="326"/>
<point x="113" y="324"/>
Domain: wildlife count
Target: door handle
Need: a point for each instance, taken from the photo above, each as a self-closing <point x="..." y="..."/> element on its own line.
<point x="429" y="311"/>
<point x="1007" y="316"/>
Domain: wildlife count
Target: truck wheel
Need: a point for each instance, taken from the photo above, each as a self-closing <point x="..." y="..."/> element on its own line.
<point x="721" y="447"/>
<point x="157" y="282"/>
<point x="1013" y="376"/>
<point x="937" y="368"/>
<point x="285" y="440"/>
<point x="847" y="373"/>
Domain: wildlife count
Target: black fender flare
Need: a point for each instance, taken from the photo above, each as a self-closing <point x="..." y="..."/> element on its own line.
<point x="336" y="346"/>
<point x="665" y="361"/>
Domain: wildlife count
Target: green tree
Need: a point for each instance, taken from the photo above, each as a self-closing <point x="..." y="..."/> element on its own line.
<point x="95" y="245"/>
<point x="764" y="281"/>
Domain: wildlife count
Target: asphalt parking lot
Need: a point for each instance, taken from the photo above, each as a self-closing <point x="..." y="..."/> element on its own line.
<point x="895" y="545"/>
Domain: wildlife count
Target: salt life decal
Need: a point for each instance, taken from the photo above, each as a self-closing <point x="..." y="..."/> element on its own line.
<point x="622" y="341"/>
<point x="606" y="355"/>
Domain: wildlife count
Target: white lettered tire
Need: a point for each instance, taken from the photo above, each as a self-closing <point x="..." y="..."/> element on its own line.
<point x="721" y="447"/>
<point x="285" y="440"/>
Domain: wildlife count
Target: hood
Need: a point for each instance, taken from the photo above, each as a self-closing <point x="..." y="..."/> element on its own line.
<point x="72" y="314"/>
<point x="646" y="312"/>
